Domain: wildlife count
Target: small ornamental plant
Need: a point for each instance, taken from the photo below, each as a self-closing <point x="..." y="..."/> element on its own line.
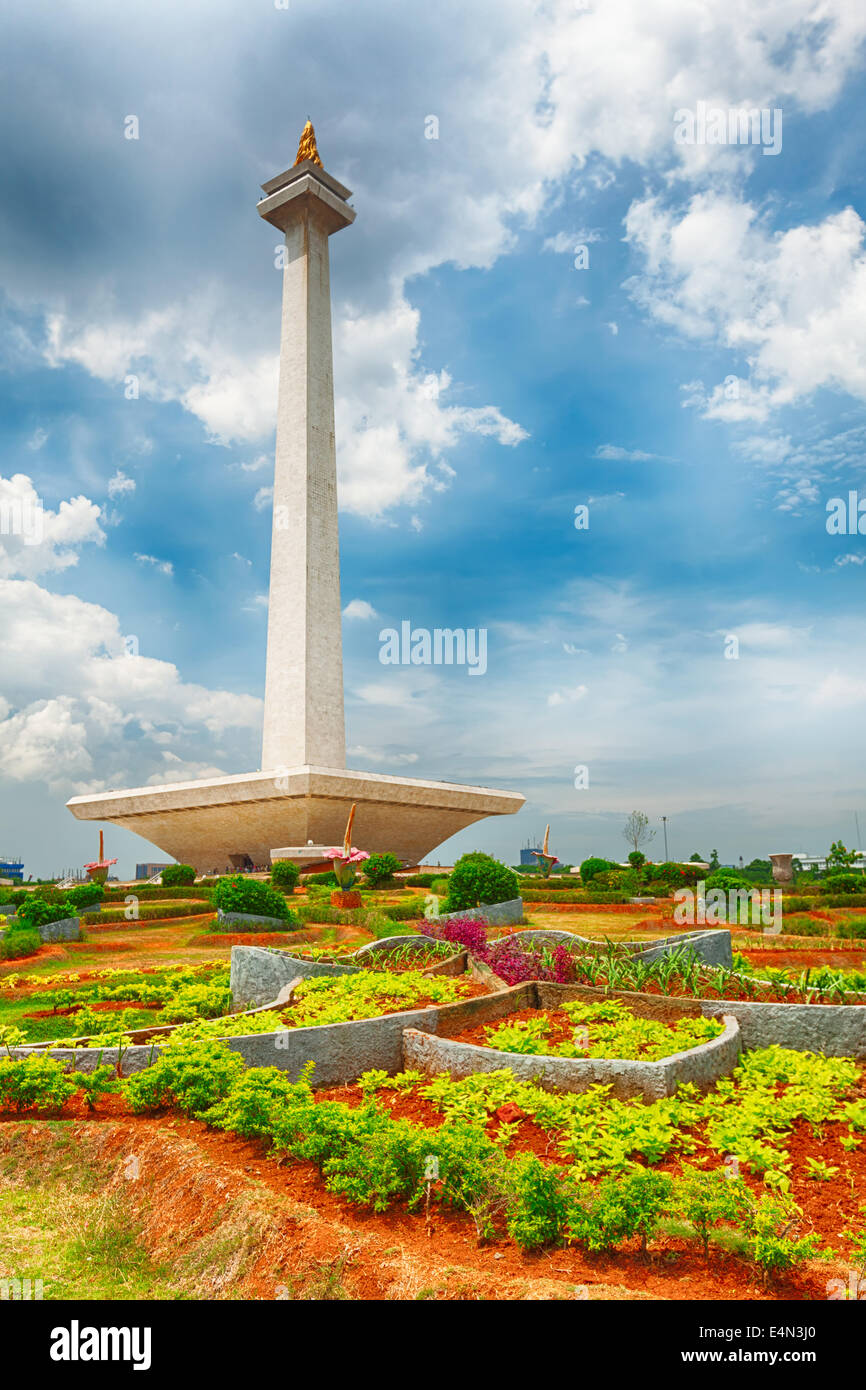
<point x="347" y="859"/>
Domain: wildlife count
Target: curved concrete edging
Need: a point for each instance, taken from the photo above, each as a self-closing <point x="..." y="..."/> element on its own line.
<point x="341" y="1051"/>
<point x="839" y="1030"/>
<point x="258" y="973"/>
<point x="702" y="1065"/>
<point x="712" y="946"/>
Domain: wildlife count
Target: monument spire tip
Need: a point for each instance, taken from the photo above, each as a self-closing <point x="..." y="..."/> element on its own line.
<point x="307" y="146"/>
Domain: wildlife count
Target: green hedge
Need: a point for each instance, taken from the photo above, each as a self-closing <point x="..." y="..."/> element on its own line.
<point x="19" y="943"/>
<point x="843" y="900"/>
<point x="145" y="892"/>
<point x="329" y="879"/>
<point x="148" y="913"/>
<point x="421" y="880"/>
<point x="529" y="895"/>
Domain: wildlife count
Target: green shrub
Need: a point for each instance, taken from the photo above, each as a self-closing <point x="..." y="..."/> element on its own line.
<point x="706" y="1198"/>
<point x="36" y="912"/>
<point x="537" y="1204"/>
<point x="852" y="927"/>
<point x="770" y="1227"/>
<point x="178" y="875"/>
<point x="805" y="926"/>
<point x="285" y="875"/>
<point x="844" y="883"/>
<point x="795" y="904"/>
<point x="439" y="886"/>
<point x="726" y="879"/>
<point x="328" y="879"/>
<point x="618" y="1209"/>
<point x="18" y="942"/>
<point x="408" y="911"/>
<point x="236" y="893"/>
<point x="424" y="880"/>
<point x="191" y="1075"/>
<point x="478" y="879"/>
<point x="592" y="866"/>
<point x="102" y="1081"/>
<point x="380" y="869"/>
<point x="85" y="894"/>
<point x="843" y="900"/>
<point x="38" y="1082"/>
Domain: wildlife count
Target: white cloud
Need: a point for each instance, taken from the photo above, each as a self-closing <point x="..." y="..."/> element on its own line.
<point x="35" y="540"/>
<point x="78" y="737"/>
<point x="37" y="439"/>
<point x="843" y="560"/>
<point x="616" y="451"/>
<point x="263" y="498"/>
<point x="161" y="566"/>
<point x="792" y="303"/>
<point x="120" y="484"/>
<point x="374" y="755"/>
<point x="359" y="608"/>
<point x="567" y="697"/>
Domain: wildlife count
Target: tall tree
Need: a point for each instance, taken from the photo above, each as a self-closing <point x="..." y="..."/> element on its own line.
<point x="636" y="830"/>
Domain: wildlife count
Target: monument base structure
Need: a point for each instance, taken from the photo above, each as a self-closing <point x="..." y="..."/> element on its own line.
<point x="235" y="822"/>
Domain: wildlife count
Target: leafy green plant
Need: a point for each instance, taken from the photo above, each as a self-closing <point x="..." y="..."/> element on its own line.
<point x="479" y="879"/>
<point x="249" y="895"/>
<point x="178" y="875"/>
<point x="37" y="912"/>
<point x="772" y="1228"/>
<point x="705" y="1199"/>
<point x="380" y="869"/>
<point x="536" y="1202"/>
<point x="18" y="942"/>
<point x="36" y="1082"/>
<point x="102" y="1081"/>
<point x="619" y="1209"/>
<point x="592" y="866"/>
<point x="285" y="875"/>
<point x="194" y="1076"/>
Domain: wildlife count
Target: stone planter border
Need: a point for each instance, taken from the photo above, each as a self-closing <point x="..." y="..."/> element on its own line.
<point x="254" y="922"/>
<point x="702" y="1065"/>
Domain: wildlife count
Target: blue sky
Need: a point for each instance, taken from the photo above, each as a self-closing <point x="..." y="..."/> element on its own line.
<point x="485" y="387"/>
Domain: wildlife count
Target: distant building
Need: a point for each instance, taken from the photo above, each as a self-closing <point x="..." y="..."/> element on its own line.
<point x="148" y="870"/>
<point x="12" y="868"/>
<point x="818" y="862"/>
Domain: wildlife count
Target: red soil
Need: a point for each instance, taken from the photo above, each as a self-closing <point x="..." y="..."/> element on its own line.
<point x="673" y="1269"/>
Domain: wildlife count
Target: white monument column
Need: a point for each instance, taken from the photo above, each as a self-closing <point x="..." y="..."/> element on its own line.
<point x="304" y="722"/>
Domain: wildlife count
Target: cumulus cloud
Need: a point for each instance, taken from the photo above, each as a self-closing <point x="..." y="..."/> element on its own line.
<point x="112" y="711"/>
<point x="359" y="608"/>
<point x="33" y="538"/>
<point x="792" y="303"/>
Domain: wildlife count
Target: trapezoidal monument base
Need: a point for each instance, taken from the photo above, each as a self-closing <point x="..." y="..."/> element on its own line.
<point x="232" y="822"/>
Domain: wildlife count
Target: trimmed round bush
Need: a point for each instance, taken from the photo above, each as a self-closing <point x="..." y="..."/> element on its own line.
<point x="178" y="875"/>
<point x="592" y="866"/>
<point x="285" y="875"/>
<point x="19" y="943"/>
<point x="380" y="869"/>
<point x="235" y="893"/>
<point x="478" y="880"/>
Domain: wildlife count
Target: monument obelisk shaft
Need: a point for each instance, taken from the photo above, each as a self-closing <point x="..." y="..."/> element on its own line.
<point x="304" y="720"/>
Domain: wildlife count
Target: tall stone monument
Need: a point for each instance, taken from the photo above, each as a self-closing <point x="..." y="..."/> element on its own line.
<point x="302" y="794"/>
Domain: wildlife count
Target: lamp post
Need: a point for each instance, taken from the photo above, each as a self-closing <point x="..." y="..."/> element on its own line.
<point x="665" y="826"/>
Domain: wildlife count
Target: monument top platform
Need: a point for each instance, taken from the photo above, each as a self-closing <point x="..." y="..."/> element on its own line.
<point x="225" y="820"/>
<point x="297" y="171"/>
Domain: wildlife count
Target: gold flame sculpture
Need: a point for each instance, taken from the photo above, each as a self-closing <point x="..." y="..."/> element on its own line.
<point x="307" y="150"/>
